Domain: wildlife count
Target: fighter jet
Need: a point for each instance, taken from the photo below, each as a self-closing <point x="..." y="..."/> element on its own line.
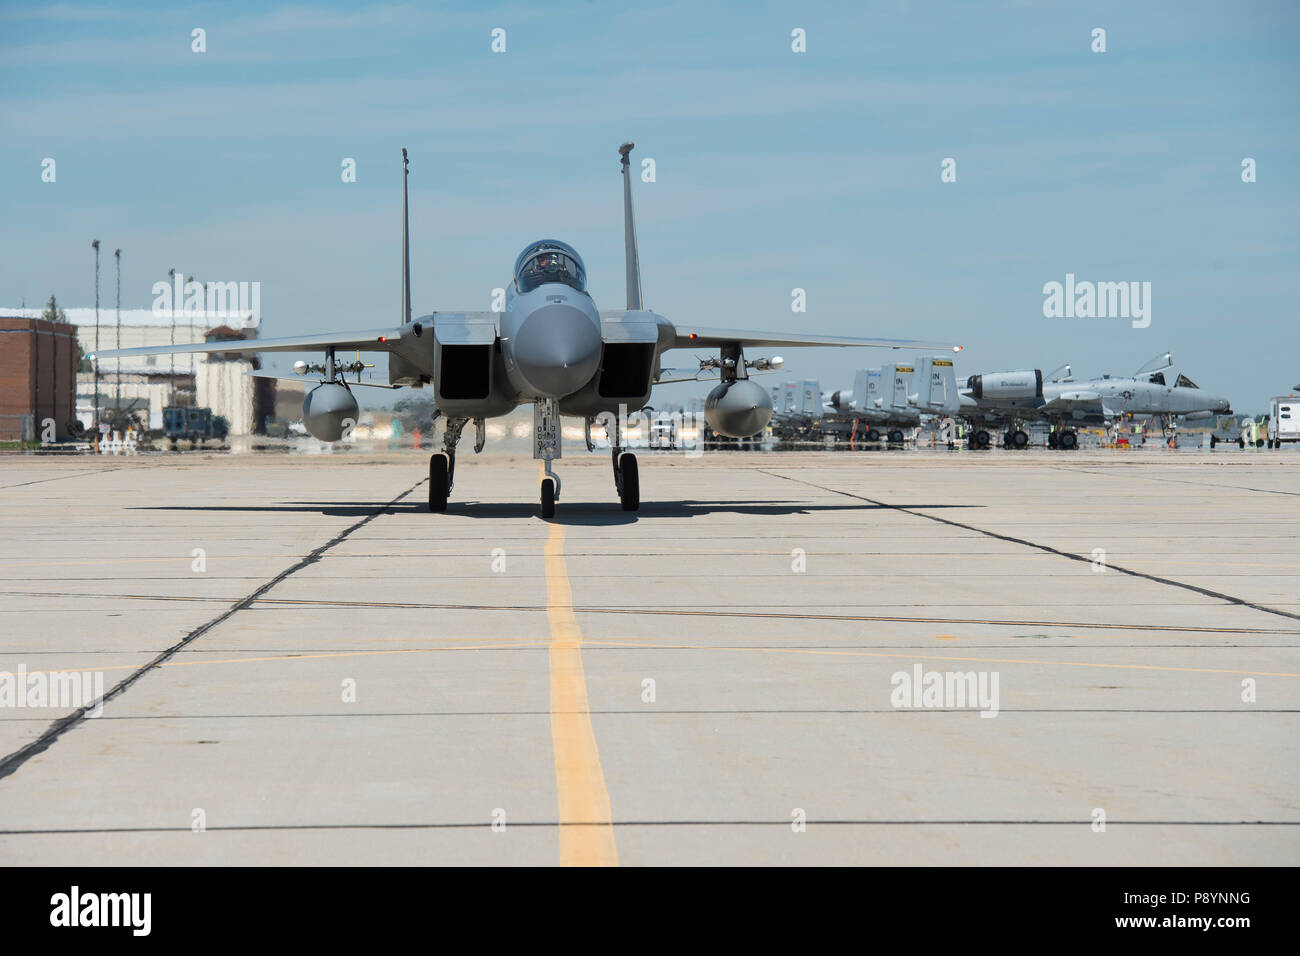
<point x="551" y="347"/>
<point x="1013" y="398"/>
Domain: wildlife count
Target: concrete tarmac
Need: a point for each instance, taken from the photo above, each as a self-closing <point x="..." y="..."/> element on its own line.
<point x="301" y="665"/>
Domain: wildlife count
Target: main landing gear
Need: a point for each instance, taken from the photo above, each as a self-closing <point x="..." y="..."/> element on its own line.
<point x="1064" y="439"/>
<point x="1017" y="438"/>
<point x="627" y="479"/>
<point x="442" y="465"/>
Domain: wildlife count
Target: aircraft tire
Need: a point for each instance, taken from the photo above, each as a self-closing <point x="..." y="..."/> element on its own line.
<point x="980" y="439"/>
<point x="873" y="435"/>
<point x="629" y="495"/>
<point x="439" y="483"/>
<point x="1068" y="440"/>
<point x="548" y="498"/>
<point x="1020" y="439"/>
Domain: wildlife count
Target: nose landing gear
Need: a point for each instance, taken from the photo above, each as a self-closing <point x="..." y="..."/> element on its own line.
<point x="550" y="492"/>
<point x="546" y="446"/>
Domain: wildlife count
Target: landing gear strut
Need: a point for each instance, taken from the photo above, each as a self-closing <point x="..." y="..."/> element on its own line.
<point x="547" y="447"/>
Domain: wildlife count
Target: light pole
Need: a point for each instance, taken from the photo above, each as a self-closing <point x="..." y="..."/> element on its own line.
<point x="117" y="254"/>
<point x="95" y="374"/>
<point x="171" y="385"/>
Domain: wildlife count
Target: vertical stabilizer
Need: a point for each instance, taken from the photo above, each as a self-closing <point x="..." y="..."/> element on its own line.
<point x="860" y="390"/>
<point x="629" y="233"/>
<point x="406" y="243"/>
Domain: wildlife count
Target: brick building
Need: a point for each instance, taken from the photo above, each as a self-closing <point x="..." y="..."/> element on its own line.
<point x="38" y="377"/>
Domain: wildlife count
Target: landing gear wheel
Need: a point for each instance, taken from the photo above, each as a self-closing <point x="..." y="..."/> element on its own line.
<point x="548" y="498"/>
<point x="1068" y="440"/>
<point x="981" y="439"/>
<point x="439" y="483"/>
<point x="1020" y="439"/>
<point x="629" y="485"/>
<point x="1007" y="439"/>
<point x="896" y="437"/>
<point x="1053" y="440"/>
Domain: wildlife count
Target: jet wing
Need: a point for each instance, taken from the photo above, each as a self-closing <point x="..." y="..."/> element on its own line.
<point x="1076" y="397"/>
<point x="669" y="375"/>
<point x="1078" y="403"/>
<point x="313" y="380"/>
<point x="695" y="336"/>
<point x="368" y="340"/>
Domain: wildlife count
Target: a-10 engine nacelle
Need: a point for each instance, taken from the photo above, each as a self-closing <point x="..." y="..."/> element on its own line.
<point x="1007" y="386"/>
<point x="328" y="410"/>
<point x="738" y="409"/>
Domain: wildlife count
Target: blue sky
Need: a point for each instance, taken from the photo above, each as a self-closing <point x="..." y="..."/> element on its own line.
<point x="775" y="170"/>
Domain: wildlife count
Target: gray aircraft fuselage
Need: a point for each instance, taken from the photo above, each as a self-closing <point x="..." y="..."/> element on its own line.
<point x="1014" y="396"/>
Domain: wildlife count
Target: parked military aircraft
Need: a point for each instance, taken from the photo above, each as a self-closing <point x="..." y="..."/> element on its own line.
<point x="550" y="346"/>
<point x="1013" y="398"/>
<point x="899" y="396"/>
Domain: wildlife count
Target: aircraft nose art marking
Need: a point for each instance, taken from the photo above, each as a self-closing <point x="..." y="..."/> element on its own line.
<point x="586" y="827"/>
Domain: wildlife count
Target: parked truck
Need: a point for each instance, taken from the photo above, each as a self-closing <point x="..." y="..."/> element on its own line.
<point x="1283" y="420"/>
<point x="192" y="424"/>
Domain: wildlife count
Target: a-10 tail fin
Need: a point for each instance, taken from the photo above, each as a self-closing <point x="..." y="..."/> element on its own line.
<point x="810" y="398"/>
<point x="936" y="386"/>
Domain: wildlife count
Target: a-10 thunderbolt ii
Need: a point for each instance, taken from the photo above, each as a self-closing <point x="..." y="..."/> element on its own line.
<point x="900" y="396"/>
<point x="1013" y="398"/>
<point x="550" y="347"/>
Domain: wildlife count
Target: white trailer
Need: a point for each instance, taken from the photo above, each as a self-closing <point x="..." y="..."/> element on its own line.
<point x="1283" y="420"/>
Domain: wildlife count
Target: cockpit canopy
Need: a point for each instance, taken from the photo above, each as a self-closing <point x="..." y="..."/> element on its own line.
<point x="549" y="260"/>
<point x="1158" y="364"/>
<point x="1185" y="382"/>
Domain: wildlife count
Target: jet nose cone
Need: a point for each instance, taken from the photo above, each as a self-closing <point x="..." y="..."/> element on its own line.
<point x="557" y="349"/>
